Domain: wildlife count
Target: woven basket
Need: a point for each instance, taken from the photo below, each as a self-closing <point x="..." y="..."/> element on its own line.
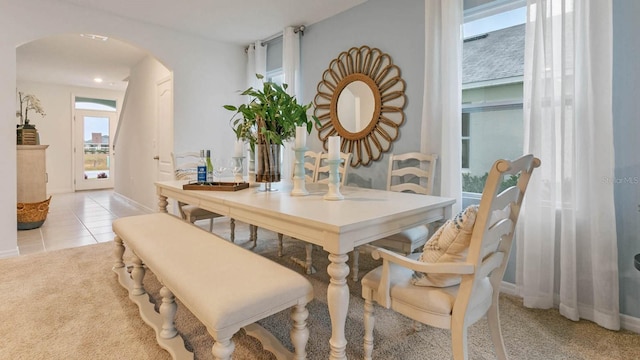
<point x="32" y="215"/>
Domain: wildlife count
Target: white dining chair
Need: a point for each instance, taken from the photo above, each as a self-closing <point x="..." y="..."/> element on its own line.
<point x="409" y="172"/>
<point x="185" y="168"/>
<point x="454" y="289"/>
<point x="321" y="175"/>
<point x="322" y="170"/>
<point x="311" y="159"/>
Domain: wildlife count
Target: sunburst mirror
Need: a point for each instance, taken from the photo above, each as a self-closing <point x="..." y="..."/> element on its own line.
<point x="361" y="98"/>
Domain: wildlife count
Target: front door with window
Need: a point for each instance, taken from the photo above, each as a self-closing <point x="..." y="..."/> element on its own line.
<point x="93" y="160"/>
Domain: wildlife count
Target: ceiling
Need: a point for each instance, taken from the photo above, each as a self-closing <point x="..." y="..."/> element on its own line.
<point x="76" y="61"/>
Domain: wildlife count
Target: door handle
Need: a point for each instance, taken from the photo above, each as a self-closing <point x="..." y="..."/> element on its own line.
<point x="156" y="157"/>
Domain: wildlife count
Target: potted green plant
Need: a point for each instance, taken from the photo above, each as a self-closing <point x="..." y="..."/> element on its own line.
<point x="268" y="120"/>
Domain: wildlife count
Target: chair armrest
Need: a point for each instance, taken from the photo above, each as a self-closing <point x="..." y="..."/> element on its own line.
<point x="383" y="295"/>
<point x="461" y="268"/>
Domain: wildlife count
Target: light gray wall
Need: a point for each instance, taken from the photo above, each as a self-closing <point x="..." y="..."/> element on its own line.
<point x="626" y="126"/>
<point x="394" y="27"/>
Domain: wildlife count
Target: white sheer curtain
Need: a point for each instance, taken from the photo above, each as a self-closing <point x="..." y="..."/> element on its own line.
<point x="256" y="64"/>
<point x="291" y="70"/>
<point x="441" y="107"/>
<point x="566" y="241"/>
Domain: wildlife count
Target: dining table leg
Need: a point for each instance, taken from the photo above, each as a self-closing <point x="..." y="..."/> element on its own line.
<point x="338" y="302"/>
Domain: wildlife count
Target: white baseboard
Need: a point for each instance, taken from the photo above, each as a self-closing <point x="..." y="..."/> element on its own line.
<point x="59" y="191"/>
<point x="626" y="322"/>
<point x="134" y="203"/>
<point x="508" y="288"/>
<point x="9" y="253"/>
<point x="630" y="323"/>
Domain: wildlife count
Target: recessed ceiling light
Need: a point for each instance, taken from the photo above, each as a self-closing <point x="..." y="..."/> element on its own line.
<point x="95" y="37"/>
<point x="98" y="80"/>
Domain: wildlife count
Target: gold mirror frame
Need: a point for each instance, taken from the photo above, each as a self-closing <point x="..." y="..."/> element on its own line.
<point x="376" y="69"/>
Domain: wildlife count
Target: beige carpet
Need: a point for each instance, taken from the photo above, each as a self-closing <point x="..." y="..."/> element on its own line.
<point x="68" y="304"/>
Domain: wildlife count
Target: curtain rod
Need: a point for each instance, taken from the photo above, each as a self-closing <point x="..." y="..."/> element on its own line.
<point x="298" y="29"/>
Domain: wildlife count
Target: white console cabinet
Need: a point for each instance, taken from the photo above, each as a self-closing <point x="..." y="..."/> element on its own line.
<point x="32" y="173"/>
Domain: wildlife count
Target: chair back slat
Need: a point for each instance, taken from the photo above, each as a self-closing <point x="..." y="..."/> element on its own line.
<point x="412" y="171"/>
<point x="495" y="234"/>
<point x="416" y="172"/>
<point x="491" y="263"/>
<point x="322" y="171"/>
<point x="185" y="165"/>
<point x="311" y="160"/>
<point x="507" y="197"/>
<point x="409" y="187"/>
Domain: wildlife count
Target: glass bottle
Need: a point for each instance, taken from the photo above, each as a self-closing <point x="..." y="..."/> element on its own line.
<point x="202" y="169"/>
<point x="209" y="167"/>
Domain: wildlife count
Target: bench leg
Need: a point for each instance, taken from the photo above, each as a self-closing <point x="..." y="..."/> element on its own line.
<point x="137" y="274"/>
<point x="168" y="310"/>
<point x="300" y="331"/>
<point x="280" y="237"/>
<point x="119" y="253"/>
<point x="222" y="349"/>
<point x="232" y="226"/>
<point x="253" y="235"/>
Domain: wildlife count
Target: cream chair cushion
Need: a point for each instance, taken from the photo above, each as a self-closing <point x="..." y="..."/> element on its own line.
<point x="433" y="300"/>
<point x="449" y="244"/>
<point x="417" y="235"/>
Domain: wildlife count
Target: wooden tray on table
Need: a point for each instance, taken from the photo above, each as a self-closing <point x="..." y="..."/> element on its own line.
<point x="216" y="186"/>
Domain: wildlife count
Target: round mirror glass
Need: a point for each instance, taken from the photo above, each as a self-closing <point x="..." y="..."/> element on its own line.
<point x="355" y="106"/>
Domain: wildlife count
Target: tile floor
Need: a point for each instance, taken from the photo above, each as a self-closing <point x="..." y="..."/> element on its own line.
<point x="77" y="219"/>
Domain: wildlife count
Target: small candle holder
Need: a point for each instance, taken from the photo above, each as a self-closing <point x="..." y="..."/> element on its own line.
<point x="334" y="181"/>
<point x="238" y="169"/>
<point x="299" y="188"/>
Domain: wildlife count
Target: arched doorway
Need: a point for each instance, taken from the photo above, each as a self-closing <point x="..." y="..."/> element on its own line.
<point x="65" y="70"/>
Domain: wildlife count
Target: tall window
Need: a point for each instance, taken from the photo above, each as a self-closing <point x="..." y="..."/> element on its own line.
<point x="275" y="73"/>
<point x="492" y="77"/>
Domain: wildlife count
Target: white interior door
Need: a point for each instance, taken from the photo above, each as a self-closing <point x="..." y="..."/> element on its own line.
<point x="164" y="142"/>
<point x="93" y="150"/>
<point x="165" y="130"/>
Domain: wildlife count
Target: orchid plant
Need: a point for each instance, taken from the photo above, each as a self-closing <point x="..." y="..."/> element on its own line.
<point x="28" y="102"/>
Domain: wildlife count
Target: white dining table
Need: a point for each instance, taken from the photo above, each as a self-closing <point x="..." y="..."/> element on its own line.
<point x="364" y="215"/>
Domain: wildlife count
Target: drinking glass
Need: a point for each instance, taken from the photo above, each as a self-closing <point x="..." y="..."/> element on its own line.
<point x="220" y="167"/>
<point x="236" y="168"/>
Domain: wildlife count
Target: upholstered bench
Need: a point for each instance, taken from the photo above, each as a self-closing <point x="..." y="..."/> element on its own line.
<point x="224" y="285"/>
